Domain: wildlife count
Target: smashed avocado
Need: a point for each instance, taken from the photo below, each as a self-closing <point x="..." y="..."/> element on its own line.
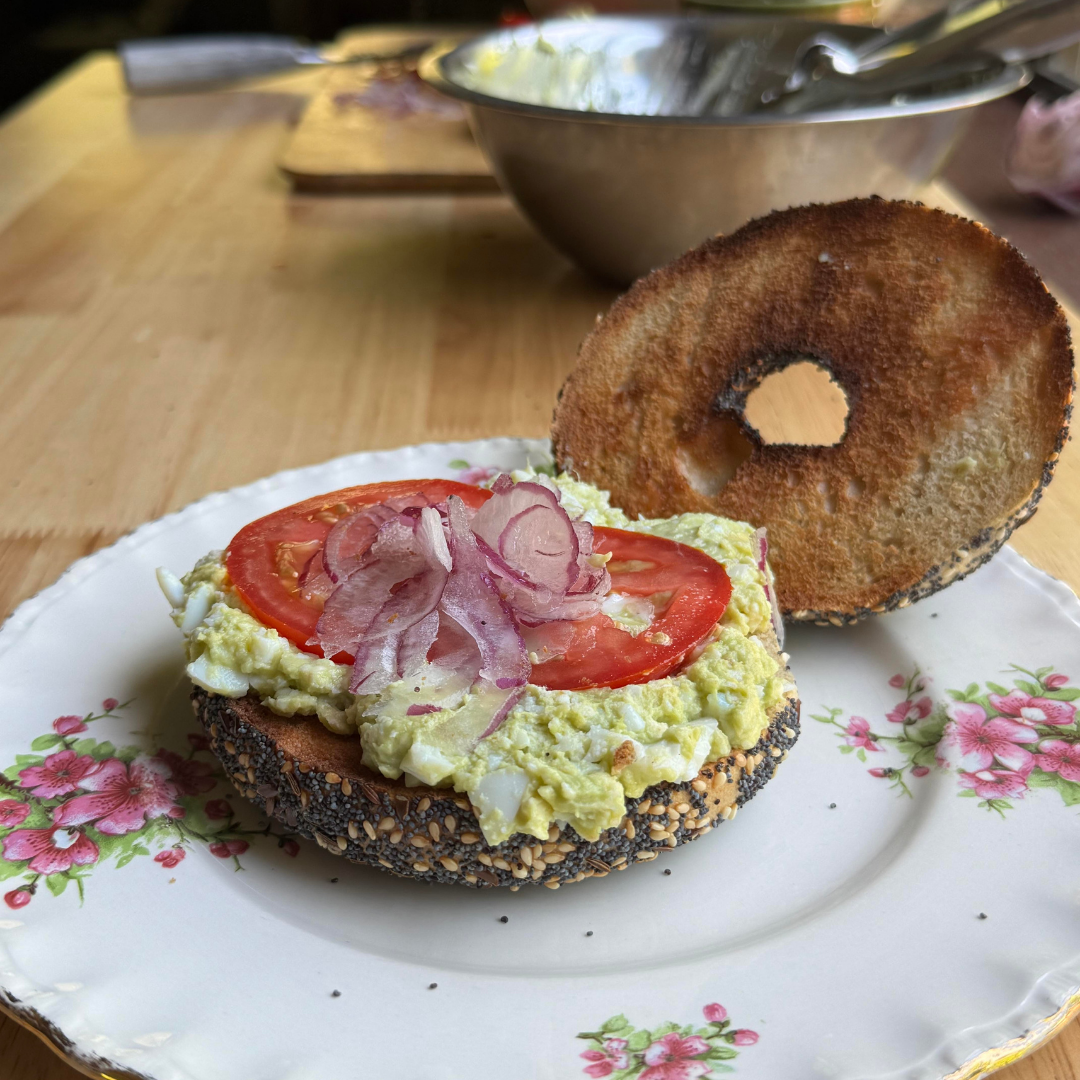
<point x="560" y="756"/>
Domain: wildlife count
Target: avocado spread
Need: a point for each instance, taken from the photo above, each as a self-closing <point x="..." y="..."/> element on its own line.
<point x="560" y="755"/>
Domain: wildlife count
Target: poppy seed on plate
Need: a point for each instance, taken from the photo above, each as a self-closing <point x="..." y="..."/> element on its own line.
<point x="433" y="986"/>
<point x="335" y="993"/>
<point x="504" y="918"/>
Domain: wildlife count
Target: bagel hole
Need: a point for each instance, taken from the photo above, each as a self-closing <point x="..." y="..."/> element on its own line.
<point x="799" y="405"/>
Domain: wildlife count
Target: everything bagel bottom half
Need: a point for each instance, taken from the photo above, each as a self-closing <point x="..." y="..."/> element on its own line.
<point x="313" y="781"/>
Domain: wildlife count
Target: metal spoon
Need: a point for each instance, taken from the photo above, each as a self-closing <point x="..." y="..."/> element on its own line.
<point x="949" y="41"/>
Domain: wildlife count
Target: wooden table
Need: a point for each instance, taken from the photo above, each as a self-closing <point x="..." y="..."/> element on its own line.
<point x="173" y="322"/>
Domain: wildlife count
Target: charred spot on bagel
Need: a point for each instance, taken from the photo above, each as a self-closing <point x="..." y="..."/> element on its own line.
<point x="953" y="357"/>
<point x="433" y="833"/>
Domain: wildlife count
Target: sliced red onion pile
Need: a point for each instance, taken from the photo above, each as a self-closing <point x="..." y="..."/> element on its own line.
<point x="406" y="575"/>
<point x="770" y="590"/>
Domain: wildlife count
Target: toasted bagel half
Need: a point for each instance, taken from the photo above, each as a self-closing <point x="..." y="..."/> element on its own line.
<point x="954" y="358"/>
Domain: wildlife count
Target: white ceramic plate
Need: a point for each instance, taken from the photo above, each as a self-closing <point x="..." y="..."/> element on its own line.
<point x="835" y="929"/>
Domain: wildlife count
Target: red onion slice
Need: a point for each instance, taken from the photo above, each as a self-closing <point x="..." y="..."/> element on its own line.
<point x="471" y="600"/>
<point x="531" y="531"/>
<point x="350" y="539"/>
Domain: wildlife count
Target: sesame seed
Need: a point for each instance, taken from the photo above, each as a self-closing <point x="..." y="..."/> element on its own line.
<point x="420" y="841"/>
<point x="342" y="842"/>
<point x="551" y="884"/>
<point x="333" y="778"/>
<point x="700" y="785"/>
<point x="526" y="856"/>
<point x="305" y="767"/>
<point x="469" y="837"/>
<point x="449" y="864"/>
<point x="346" y="787"/>
<point x="423" y="805"/>
<point x="395" y="836"/>
<point x="369" y="829"/>
<point x="631" y="832"/>
<point x="501" y="863"/>
<point x="433" y="828"/>
<point x="450" y="822"/>
<point x="230" y="747"/>
<point x="386" y="824"/>
<point x="244" y="760"/>
<point x="484" y="857"/>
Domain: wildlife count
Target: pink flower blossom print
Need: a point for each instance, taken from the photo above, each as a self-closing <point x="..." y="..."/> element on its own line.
<point x="50" y="851"/>
<point x="123" y="797"/>
<point x="225" y="849"/>
<point x="670" y="1053"/>
<point x="218" y="809"/>
<point x="994" y="783"/>
<point x="1056" y="756"/>
<point x="68" y="725"/>
<point x="191" y="777"/>
<point x="980" y="741"/>
<point x="1055" y="682"/>
<point x="61" y="774"/>
<point x="1033" y="710"/>
<point x="673" y="1058"/>
<point x="908" y="712"/>
<point x="606" y="1061"/>
<point x="170" y="857"/>
<point x="897" y="681"/>
<point x="18" y="898"/>
<point x="109" y="704"/>
<point x="858" y="734"/>
<point x="12" y="813"/>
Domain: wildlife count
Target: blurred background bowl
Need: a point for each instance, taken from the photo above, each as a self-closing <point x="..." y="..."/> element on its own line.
<point x="588" y="123"/>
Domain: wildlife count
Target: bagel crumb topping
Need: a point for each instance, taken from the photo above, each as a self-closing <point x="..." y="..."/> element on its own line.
<point x="561" y="756"/>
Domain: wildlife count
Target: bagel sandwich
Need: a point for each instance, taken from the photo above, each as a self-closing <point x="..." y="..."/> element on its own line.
<point x="954" y="358"/>
<point x="652" y="702"/>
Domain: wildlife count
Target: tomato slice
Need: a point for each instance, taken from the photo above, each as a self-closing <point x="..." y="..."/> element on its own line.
<point x="690" y="591"/>
<point x="266" y="557"/>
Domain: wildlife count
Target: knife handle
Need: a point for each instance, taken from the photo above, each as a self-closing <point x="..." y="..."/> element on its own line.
<point x="166" y="65"/>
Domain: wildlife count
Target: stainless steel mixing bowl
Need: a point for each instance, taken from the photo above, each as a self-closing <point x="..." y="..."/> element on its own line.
<point x="590" y="125"/>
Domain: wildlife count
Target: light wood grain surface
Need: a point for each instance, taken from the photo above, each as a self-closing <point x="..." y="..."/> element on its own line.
<point x="173" y="322"/>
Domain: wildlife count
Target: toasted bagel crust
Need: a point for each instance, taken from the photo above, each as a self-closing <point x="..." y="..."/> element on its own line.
<point x="314" y="782"/>
<point x="954" y="358"/>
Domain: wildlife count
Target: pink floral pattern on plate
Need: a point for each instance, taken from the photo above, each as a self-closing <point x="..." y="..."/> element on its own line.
<point x="1002" y="741"/>
<point x="669" y="1052"/>
<point x="75" y="803"/>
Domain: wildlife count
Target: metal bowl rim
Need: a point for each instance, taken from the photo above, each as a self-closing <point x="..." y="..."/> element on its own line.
<point x="432" y="69"/>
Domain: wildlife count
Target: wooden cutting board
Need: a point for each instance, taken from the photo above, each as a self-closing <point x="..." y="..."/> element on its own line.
<point x="378" y="128"/>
